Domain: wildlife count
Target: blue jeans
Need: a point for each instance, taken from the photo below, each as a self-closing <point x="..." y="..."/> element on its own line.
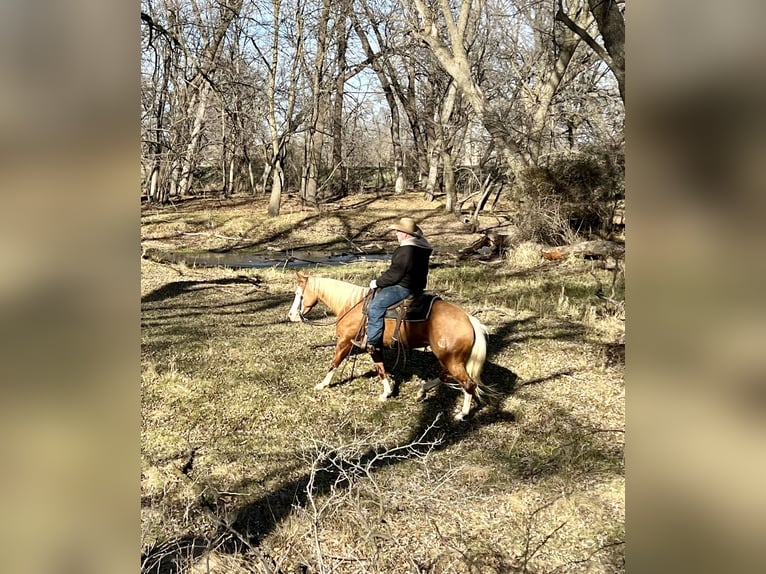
<point x="384" y="298"/>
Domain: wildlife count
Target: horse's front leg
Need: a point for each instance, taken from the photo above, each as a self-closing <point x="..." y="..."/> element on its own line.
<point x="377" y="358"/>
<point x="342" y="349"/>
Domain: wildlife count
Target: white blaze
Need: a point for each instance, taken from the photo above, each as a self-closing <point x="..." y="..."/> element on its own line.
<point x="294" y="314"/>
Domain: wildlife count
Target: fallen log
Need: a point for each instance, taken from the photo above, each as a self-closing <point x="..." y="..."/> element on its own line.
<point x="598" y="249"/>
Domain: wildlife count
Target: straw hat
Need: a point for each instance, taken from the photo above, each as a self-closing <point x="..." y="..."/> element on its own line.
<point x="407" y="225"/>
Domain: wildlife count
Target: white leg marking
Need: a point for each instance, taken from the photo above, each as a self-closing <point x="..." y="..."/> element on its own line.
<point x="326" y="381"/>
<point x="386" y="390"/>
<point x="466" y="407"/>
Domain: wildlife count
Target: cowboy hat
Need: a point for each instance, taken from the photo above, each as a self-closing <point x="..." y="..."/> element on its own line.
<point x="407" y="225"/>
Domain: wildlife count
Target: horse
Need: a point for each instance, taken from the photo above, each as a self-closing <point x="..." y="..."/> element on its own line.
<point x="456" y="338"/>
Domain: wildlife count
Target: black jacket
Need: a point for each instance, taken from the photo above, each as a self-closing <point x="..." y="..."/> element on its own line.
<point x="409" y="266"/>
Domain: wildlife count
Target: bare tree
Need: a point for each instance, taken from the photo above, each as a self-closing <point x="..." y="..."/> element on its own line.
<point x="315" y="129"/>
<point x="193" y="79"/>
<point x="200" y="84"/>
<point x="449" y="35"/>
<point x="230" y="87"/>
<point x="379" y="61"/>
<point x="282" y="121"/>
<point x="611" y="26"/>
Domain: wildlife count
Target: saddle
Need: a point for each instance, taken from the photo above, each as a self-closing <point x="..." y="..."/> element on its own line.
<point x="415" y="308"/>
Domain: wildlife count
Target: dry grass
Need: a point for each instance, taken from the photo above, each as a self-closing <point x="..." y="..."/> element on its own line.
<point x="246" y="468"/>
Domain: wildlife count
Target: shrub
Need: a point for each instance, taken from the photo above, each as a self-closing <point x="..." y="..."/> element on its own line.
<point x="572" y="195"/>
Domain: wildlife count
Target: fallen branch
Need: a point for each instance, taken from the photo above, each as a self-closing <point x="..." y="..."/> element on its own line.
<point x="216" y="235"/>
<point x="594" y="249"/>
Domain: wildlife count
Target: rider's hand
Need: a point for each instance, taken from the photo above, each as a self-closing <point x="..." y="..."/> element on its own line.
<point x="373" y="284"/>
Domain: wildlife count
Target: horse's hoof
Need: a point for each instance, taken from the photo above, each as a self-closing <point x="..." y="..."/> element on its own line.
<point x="421" y="397"/>
<point x="320" y="386"/>
<point x="383" y="397"/>
<point x="460" y="416"/>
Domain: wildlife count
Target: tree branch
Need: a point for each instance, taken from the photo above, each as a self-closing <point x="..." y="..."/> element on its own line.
<point x="562" y="17"/>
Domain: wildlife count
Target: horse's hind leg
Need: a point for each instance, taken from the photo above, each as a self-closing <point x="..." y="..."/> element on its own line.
<point x="457" y="371"/>
<point x="427" y="386"/>
<point x="465" y="411"/>
<point x="377" y="358"/>
<point x="453" y="370"/>
<point x="444" y="377"/>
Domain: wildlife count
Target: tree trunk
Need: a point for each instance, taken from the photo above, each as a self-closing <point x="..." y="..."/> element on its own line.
<point x="233" y="185"/>
<point x="200" y="86"/>
<point x="175" y="174"/>
<point x="157" y="193"/>
<point x="449" y="180"/>
<point x="410" y="102"/>
<point x="545" y="90"/>
<point x="434" y="154"/>
<point x="188" y="160"/>
<point x="452" y="56"/>
<point x="250" y="174"/>
<point x="267" y="169"/>
<point x="314" y="135"/>
<point x="279" y="142"/>
<point x="157" y="188"/>
<point x="594" y="249"/>
<point x="386" y="84"/>
<point x="611" y="24"/>
<point x="340" y="84"/>
<point x="225" y="182"/>
<point x="277" y="184"/>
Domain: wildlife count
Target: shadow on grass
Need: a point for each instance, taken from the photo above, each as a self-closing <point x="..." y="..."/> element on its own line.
<point x="257" y="519"/>
<point x="177" y="288"/>
<point x="171" y="318"/>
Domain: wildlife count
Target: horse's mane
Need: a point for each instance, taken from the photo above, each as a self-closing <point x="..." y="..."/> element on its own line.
<point x="338" y="295"/>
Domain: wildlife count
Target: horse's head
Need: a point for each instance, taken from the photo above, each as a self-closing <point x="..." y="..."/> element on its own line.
<point x="305" y="299"/>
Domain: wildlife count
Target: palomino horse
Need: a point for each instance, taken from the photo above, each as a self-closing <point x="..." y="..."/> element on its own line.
<point x="456" y="338"/>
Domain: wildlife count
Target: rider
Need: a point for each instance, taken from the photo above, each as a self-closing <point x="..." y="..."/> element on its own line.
<point x="406" y="276"/>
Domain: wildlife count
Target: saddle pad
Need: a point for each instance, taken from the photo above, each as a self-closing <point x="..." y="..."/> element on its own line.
<point x="419" y="309"/>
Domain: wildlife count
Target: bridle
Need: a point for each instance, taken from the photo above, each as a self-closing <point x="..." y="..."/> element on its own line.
<point x="319" y="322"/>
<point x="302" y="314"/>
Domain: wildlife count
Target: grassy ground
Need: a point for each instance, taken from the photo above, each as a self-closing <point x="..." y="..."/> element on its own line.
<point x="246" y="468"/>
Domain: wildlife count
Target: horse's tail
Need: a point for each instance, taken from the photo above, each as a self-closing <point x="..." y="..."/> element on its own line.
<point x="475" y="363"/>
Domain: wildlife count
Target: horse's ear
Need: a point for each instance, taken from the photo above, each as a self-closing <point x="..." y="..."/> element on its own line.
<point x="301" y="276"/>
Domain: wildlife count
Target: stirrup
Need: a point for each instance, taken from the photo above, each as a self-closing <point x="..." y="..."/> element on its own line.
<point x="361" y="343"/>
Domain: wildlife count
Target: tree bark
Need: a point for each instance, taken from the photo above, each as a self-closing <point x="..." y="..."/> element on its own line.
<point x="279" y="141"/>
<point x="449" y="180"/>
<point x="341" y="45"/>
<point x="188" y="160"/>
<point x="611" y="24"/>
<point x="277" y="185"/>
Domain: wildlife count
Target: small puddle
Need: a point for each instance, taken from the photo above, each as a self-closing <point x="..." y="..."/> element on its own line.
<point x="240" y="260"/>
